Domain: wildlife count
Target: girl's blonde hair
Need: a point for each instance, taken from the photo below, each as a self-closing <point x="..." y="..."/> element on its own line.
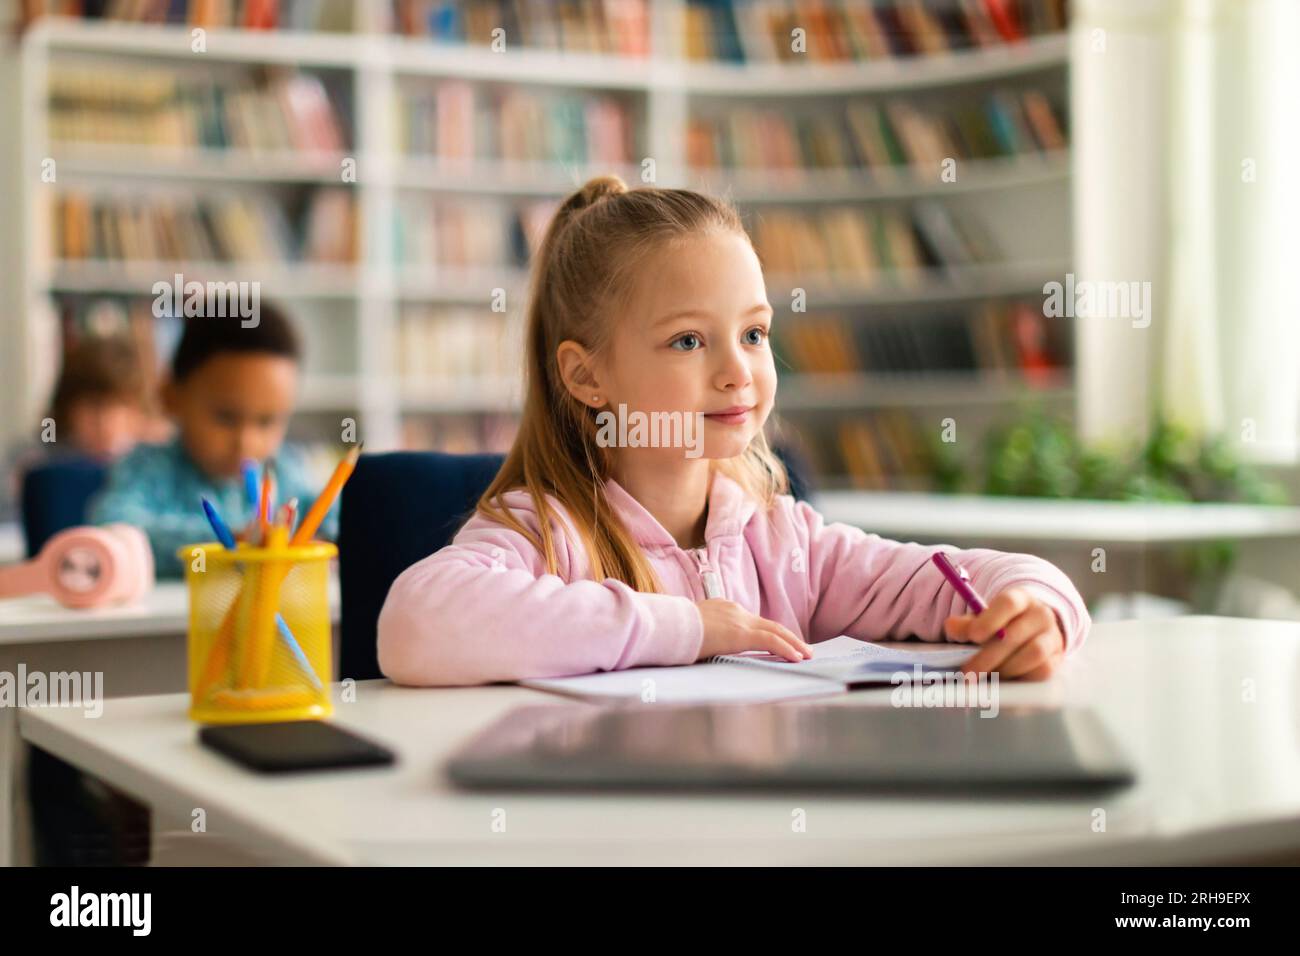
<point x="583" y="271"/>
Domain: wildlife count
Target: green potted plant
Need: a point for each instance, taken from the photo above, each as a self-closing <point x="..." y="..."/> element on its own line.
<point x="1041" y="457"/>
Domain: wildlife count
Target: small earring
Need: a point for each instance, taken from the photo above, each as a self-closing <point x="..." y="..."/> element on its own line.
<point x="595" y="398"/>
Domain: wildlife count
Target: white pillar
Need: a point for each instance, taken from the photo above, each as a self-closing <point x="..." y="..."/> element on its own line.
<point x="1119" y="65"/>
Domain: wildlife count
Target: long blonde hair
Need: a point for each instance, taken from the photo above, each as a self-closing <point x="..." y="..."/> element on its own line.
<point x="583" y="268"/>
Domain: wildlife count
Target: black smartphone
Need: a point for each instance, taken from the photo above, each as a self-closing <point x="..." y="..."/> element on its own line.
<point x="294" y="745"/>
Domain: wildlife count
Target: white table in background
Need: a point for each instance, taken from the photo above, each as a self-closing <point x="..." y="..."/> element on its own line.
<point x="1053" y="521"/>
<point x="1205" y="707"/>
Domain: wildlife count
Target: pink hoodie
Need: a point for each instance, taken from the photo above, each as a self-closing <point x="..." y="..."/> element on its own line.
<point x="483" y="609"/>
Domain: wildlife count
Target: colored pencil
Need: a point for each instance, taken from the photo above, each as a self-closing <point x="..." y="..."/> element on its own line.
<point x="321" y="506"/>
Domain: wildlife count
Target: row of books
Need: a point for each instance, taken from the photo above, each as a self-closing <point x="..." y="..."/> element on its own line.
<point x="877" y="451"/>
<point x="620" y="27"/>
<point x="463" y="121"/>
<point x="216" y="228"/>
<point x="1000" y="340"/>
<point x="322" y="15"/>
<point x="867" y="245"/>
<point x="457" y="347"/>
<point x="883" y="450"/>
<point x="877" y="136"/>
<point x="469" y="234"/>
<point x="858" y="244"/>
<point x="743" y="31"/>
<point x="864" y="245"/>
<point x="152" y="107"/>
<point x="460" y="434"/>
<point x="872" y="451"/>
<point x="729" y="30"/>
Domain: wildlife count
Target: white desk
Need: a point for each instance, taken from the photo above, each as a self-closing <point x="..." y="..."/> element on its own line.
<point x="39" y="619"/>
<point x="1219" y="777"/>
<point x="140" y="649"/>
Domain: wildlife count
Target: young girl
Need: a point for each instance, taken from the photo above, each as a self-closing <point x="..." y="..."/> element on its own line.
<point x="583" y="556"/>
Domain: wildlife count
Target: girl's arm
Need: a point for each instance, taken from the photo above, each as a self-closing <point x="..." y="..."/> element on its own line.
<point x="482" y="610"/>
<point x="872" y="588"/>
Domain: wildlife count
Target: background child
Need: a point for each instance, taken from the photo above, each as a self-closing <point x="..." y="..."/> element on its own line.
<point x="584" y="557"/>
<point x="100" y="409"/>
<point x="230" y="392"/>
<point x="101" y="406"/>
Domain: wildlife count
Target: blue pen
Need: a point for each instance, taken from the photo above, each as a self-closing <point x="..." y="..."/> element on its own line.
<point x="222" y="531"/>
<point x="219" y="527"/>
<point x="249" y="468"/>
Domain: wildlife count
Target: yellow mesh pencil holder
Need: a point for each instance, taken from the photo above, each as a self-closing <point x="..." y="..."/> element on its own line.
<point x="259" y="635"/>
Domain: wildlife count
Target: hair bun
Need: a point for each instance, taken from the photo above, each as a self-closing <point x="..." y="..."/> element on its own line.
<point x="596" y="189"/>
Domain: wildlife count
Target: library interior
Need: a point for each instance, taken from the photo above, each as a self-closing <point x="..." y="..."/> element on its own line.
<point x="1027" y="264"/>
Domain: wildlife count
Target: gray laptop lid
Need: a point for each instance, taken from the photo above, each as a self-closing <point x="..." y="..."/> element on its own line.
<point x="949" y="750"/>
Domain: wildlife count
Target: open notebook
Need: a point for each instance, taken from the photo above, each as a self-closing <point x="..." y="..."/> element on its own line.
<point x="755" y="676"/>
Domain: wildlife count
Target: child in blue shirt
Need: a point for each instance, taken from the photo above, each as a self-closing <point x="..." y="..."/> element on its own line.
<point x="231" y="393"/>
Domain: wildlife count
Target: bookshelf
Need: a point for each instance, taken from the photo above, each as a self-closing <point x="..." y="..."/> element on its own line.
<point x="362" y="315"/>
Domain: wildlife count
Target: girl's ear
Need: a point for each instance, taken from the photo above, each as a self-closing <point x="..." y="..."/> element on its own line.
<point x="578" y="373"/>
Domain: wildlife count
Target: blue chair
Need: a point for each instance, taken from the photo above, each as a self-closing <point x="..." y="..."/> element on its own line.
<point x="400" y="507"/>
<point x="56" y="496"/>
<point x="397" y="508"/>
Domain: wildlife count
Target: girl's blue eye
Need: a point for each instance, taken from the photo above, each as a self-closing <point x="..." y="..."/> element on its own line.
<point x="762" y="334"/>
<point x="688" y="336"/>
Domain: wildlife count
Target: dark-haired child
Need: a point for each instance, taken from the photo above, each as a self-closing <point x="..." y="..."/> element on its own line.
<point x="231" y="393"/>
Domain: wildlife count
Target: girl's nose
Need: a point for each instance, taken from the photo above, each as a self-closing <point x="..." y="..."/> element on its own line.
<point x="734" y="372"/>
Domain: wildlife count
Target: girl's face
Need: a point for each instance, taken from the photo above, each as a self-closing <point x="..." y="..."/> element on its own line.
<point x="106" y="428"/>
<point x="695" y="339"/>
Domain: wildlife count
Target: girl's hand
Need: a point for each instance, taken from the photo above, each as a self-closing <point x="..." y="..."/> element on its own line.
<point x="730" y="629"/>
<point x="1033" y="647"/>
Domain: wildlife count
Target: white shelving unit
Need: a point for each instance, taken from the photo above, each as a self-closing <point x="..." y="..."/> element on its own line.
<point x="373" y="292"/>
<point x="1054" y="523"/>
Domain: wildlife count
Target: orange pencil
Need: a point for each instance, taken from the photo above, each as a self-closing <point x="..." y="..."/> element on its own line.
<point x="220" y="652"/>
<point x="259" y="637"/>
<point x="316" y="513"/>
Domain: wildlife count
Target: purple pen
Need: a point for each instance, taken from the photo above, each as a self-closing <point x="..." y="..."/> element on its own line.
<point x="959" y="578"/>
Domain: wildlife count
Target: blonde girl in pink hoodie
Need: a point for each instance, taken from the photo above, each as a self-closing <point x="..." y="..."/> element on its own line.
<point x="586" y="555"/>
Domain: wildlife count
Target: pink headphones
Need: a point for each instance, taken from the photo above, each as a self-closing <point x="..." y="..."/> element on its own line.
<point x="86" y="567"/>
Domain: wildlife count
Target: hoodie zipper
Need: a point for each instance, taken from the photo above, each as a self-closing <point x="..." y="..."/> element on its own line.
<point x="708" y="577"/>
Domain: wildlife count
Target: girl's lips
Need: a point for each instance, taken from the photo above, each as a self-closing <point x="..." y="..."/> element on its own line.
<point x="730" y="418"/>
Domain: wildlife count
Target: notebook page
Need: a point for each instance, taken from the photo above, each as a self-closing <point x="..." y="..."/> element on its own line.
<point x="849" y="660"/>
<point x="693" y="683"/>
